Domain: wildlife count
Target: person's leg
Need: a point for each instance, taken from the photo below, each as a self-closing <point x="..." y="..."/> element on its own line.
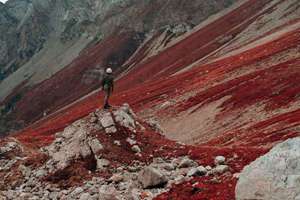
<point x="105" y="103"/>
<point x="108" y="96"/>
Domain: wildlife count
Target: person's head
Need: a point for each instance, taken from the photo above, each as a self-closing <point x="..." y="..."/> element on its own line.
<point x="108" y="71"/>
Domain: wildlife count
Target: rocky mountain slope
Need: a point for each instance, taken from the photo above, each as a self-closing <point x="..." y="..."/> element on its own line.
<point x="225" y="89"/>
<point x="107" y="155"/>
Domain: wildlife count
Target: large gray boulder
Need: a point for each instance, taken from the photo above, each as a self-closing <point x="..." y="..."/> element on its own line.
<point x="274" y="176"/>
<point x="75" y="142"/>
<point x="150" y="177"/>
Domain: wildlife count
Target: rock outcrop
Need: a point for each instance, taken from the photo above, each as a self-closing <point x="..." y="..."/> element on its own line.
<point x="76" y="165"/>
<point x="275" y="175"/>
<point x="78" y="141"/>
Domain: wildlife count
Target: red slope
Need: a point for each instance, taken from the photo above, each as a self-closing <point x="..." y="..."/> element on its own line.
<point x="197" y="45"/>
<point x="66" y="85"/>
<point x="148" y="94"/>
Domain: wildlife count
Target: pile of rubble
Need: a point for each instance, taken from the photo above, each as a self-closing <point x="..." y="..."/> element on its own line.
<point x="138" y="182"/>
<point x="82" y="141"/>
<point x="9" y="147"/>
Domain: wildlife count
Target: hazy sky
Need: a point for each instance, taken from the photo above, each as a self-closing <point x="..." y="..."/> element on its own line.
<point x="3" y="1"/>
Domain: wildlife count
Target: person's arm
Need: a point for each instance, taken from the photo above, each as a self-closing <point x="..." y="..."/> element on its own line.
<point x="102" y="82"/>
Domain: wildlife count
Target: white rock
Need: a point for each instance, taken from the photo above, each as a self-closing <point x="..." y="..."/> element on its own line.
<point x="106" y="120"/>
<point x="95" y="145"/>
<point x="41" y="173"/>
<point x="131" y="141"/>
<point x="220" y="160"/>
<point x="136" y="149"/>
<point x="124" y="118"/>
<point x="117" y="142"/>
<point x="187" y="162"/>
<point x="112" y="129"/>
<point x="220" y="169"/>
<point x="208" y="168"/>
<point x="116" y="178"/>
<point x="102" y="163"/>
<point x="77" y="191"/>
<point x="73" y="147"/>
<point x="85" y="196"/>
<point x="275" y="175"/>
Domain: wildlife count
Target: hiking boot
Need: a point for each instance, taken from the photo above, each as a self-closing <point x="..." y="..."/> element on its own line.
<point x="107" y="106"/>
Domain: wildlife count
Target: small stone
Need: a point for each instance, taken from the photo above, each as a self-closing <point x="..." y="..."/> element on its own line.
<point x="85" y="196"/>
<point x="131" y="141"/>
<point x="117" y="142"/>
<point x="108" y="192"/>
<point x="95" y="145"/>
<point x="199" y="171"/>
<point x="107" y="121"/>
<point x="123" y="186"/>
<point x="93" y="119"/>
<point x="220" y="160"/>
<point x="187" y="162"/>
<point x="133" y="169"/>
<point x="116" y="178"/>
<point x="111" y="130"/>
<point x="208" y="168"/>
<point x="169" y="167"/>
<point x="24" y="195"/>
<point x="136" y="149"/>
<point x="41" y="173"/>
<point x="53" y="195"/>
<point x="102" y="163"/>
<point x="26" y="171"/>
<point x="77" y="191"/>
<point x="220" y="169"/>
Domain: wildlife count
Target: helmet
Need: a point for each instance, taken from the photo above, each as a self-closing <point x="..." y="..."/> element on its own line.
<point x="108" y="70"/>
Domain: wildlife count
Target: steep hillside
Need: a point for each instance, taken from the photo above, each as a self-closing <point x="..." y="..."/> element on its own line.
<point x="228" y="87"/>
<point x="47" y="37"/>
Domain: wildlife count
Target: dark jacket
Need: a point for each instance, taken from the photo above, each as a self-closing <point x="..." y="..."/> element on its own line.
<point x="108" y="82"/>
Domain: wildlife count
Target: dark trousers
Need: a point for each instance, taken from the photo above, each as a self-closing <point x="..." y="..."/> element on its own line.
<point x="107" y="93"/>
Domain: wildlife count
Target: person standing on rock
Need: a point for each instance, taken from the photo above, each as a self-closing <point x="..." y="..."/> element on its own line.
<point x="108" y="86"/>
